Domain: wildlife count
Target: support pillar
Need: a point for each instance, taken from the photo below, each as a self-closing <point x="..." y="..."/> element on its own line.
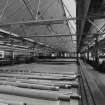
<point x="96" y="51"/>
<point x="12" y="57"/>
<point x="88" y="53"/>
<point x="77" y="57"/>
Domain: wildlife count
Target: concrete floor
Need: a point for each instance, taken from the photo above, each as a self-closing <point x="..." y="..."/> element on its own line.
<point x="96" y="82"/>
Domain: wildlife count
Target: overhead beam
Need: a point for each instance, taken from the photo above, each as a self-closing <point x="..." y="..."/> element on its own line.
<point x="85" y="8"/>
<point x="18" y="37"/>
<point x="51" y="21"/>
<point x="39" y="2"/>
<point x="29" y="8"/>
<point x="64" y="35"/>
<point x="57" y="35"/>
<point x="6" y="47"/>
<point x="40" y="22"/>
<point x="101" y="44"/>
<point x="94" y="35"/>
<point x="96" y="26"/>
<point x="4" y="10"/>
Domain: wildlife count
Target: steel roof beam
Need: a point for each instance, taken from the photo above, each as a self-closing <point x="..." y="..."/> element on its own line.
<point x="4" y="46"/>
<point x="51" y="21"/>
<point x="4" y="10"/>
<point x="95" y="35"/>
<point x="49" y="35"/>
<point x="40" y="22"/>
<point x="57" y="35"/>
<point x="15" y="36"/>
<point x="82" y="23"/>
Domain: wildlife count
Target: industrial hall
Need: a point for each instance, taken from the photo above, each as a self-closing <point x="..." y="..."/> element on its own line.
<point x="52" y="52"/>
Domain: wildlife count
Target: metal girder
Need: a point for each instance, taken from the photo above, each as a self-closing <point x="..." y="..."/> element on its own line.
<point x="82" y="23"/>
<point x="40" y="22"/>
<point x="57" y="42"/>
<point x="96" y="35"/>
<point x="92" y="16"/>
<point x="96" y="16"/>
<point x="29" y="8"/>
<point x="8" y="37"/>
<point x="98" y="29"/>
<point x="93" y="35"/>
<point x="57" y="35"/>
<point x="37" y="9"/>
<point x="8" y="47"/>
<point x="51" y="21"/>
<point x="7" y="34"/>
<point x="4" y="10"/>
<point x="23" y="39"/>
<point x="63" y="7"/>
<point x="68" y="23"/>
<point x="101" y="44"/>
<point x="68" y="12"/>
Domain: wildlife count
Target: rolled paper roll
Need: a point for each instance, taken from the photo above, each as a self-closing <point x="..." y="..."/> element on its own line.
<point x="47" y="95"/>
<point x="8" y="102"/>
<point x="38" y="77"/>
<point x="67" y="86"/>
<point x="35" y="86"/>
<point x="55" y="84"/>
<point x="75" y="96"/>
<point x="38" y="73"/>
<point x="64" y="98"/>
<point x="61" y="84"/>
<point x="30" y="86"/>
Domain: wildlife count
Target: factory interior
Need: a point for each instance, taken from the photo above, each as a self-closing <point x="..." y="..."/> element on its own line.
<point x="52" y="52"/>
